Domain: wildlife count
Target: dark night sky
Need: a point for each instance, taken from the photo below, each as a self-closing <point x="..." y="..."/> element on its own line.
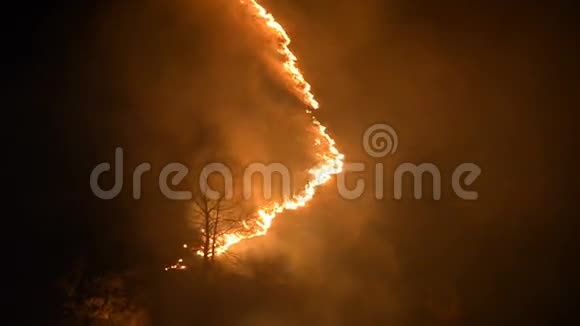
<point x="481" y="81"/>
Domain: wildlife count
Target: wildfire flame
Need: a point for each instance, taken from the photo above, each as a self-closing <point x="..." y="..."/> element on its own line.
<point x="330" y="159"/>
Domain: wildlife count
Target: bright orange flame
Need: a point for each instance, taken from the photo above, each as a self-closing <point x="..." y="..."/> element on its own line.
<point x="330" y="159"/>
<point x="301" y="85"/>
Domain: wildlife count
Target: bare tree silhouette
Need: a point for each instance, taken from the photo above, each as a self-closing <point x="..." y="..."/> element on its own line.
<point x="214" y="218"/>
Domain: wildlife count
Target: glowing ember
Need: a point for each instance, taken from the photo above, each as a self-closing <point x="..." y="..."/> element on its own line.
<point x="178" y="266"/>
